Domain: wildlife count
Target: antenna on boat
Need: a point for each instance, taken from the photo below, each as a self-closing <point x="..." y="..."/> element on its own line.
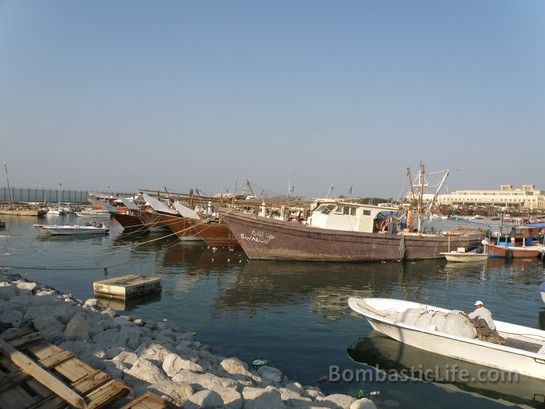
<point x="290" y="189"/>
<point x="331" y="189"/>
<point x="9" y="187"/>
<point x="443" y="180"/>
<point x="421" y="173"/>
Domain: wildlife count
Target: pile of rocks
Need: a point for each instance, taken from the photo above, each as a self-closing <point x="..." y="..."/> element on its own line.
<point x="153" y="355"/>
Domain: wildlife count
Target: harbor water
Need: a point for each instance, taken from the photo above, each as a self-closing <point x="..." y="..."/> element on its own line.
<point x="293" y="314"/>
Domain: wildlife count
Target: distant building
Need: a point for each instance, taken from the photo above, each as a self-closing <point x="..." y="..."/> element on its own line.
<point x="527" y="197"/>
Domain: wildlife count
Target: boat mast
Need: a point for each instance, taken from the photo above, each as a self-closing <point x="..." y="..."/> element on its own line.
<point x="443" y="180"/>
<point x="421" y="174"/>
<point x="9" y="187"/>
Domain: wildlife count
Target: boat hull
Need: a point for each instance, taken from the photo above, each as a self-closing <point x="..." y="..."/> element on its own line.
<point x="153" y="222"/>
<point x="130" y="223"/>
<point x="267" y="239"/>
<point x="71" y="231"/>
<point x="466" y="349"/>
<point x="216" y="235"/>
<point x="182" y="227"/>
<point x="465" y="257"/>
<point x="514" y="252"/>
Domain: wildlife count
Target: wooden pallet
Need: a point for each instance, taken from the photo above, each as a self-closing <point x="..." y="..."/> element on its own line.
<point x="37" y="374"/>
<point x="148" y="401"/>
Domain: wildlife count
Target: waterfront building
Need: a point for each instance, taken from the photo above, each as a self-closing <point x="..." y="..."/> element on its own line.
<point x="506" y="196"/>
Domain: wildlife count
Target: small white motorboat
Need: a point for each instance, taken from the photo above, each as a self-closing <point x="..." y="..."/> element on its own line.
<point x="93" y="213"/>
<point x="460" y="256"/>
<point x="79" y="230"/>
<point x="523" y="351"/>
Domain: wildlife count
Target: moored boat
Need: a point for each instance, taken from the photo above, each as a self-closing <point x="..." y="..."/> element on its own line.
<point x="216" y="234"/>
<point x="23" y="211"/>
<point x="76" y="230"/>
<point x="268" y="239"/>
<point x="461" y="256"/>
<point x="497" y="250"/>
<point x="522" y="352"/>
<point x="93" y="213"/>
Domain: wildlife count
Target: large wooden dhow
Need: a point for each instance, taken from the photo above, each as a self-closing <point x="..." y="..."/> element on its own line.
<point x="338" y="232"/>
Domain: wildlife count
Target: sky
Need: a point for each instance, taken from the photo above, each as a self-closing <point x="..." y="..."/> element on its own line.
<point x="145" y="94"/>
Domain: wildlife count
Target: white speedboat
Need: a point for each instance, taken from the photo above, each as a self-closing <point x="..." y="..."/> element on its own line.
<point x="457" y="256"/>
<point x="523" y="351"/>
<point x="79" y="230"/>
<point x="93" y="213"/>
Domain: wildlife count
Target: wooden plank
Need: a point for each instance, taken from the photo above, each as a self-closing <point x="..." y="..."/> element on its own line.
<point x="90" y="382"/>
<point x="74" y="370"/>
<point x="56" y="359"/>
<point x="148" y="400"/>
<point x="41" y="375"/>
<point x="107" y="393"/>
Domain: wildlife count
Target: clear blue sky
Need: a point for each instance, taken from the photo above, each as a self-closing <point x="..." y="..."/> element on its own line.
<point x="183" y="94"/>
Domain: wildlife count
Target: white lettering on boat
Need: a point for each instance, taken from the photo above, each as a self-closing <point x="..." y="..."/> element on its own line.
<point x="258" y="236"/>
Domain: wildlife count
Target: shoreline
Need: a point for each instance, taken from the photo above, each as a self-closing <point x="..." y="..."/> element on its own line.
<point x="154" y="356"/>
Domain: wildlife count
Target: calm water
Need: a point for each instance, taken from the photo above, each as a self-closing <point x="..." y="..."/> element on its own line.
<point x="294" y="314"/>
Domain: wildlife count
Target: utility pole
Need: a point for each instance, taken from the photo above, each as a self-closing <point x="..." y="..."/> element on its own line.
<point x="9" y="187"/>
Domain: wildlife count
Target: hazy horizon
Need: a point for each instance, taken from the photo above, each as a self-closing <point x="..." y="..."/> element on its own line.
<point x="186" y="94"/>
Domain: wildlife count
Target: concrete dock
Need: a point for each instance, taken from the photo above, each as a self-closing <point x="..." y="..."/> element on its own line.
<point x="127" y="286"/>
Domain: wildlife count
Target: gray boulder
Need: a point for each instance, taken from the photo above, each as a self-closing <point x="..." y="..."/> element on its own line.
<point x="270" y="375"/>
<point x="177" y="392"/>
<point x="337" y="400"/>
<point x="205" y="381"/>
<point x="257" y="398"/>
<point x="172" y="364"/>
<point x="363" y="404"/>
<point x="204" y="399"/>
<point x="77" y="328"/>
<point x="147" y="372"/>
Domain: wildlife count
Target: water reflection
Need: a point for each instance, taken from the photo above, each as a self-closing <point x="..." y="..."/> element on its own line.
<point x="127" y="305"/>
<point x="397" y="358"/>
<point x="325" y="286"/>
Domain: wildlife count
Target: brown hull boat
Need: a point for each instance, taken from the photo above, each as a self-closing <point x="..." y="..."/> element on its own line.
<point x="216" y="234"/>
<point x="153" y="221"/>
<point x="130" y="222"/>
<point x="183" y="227"/>
<point x="514" y="252"/>
<point x="268" y="239"/>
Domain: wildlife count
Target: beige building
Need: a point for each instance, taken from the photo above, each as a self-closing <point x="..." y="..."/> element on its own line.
<point x="528" y="197"/>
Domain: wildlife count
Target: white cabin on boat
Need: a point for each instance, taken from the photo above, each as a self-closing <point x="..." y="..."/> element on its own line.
<point x="337" y="215"/>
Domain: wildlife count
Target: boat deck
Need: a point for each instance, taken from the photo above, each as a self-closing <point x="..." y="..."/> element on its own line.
<point x="524" y="345"/>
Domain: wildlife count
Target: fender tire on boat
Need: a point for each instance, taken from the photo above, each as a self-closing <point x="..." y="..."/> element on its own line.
<point x="509" y="254"/>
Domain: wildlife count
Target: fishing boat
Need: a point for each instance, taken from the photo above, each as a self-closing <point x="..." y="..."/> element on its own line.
<point x="179" y="219"/>
<point x="370" y="237"/>
<point x="461" y="256"/>
<point x="73" y="230"/>
<point x="2" y="224"/>
<point x="523" y="351"/>
<point x="340" y="230"/>
<point x="127" y="216"/>
<point x="215" y="233"/>
<point x="506" y="248"/>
